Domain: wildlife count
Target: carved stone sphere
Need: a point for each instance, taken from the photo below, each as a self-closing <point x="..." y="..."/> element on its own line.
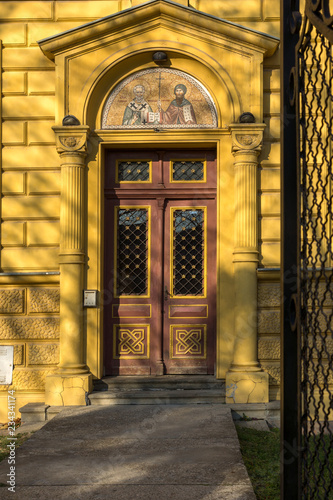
<point x="70" y="120"/>
<point x="247" y="117"/>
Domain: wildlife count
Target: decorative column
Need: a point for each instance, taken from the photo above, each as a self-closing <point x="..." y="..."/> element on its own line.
<point x="72" y="381"/>
<point x="245" y="381"/>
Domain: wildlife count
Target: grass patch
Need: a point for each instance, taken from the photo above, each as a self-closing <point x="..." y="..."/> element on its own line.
<point x="4" y="441"/>
<point x="261" y="455"/>
<point x="319" y="464"/>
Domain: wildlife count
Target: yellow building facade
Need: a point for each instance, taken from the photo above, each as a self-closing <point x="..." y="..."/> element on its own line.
<point x="69" y="70"/>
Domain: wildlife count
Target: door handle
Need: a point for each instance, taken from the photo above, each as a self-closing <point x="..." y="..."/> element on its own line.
<point x="166" y="293"/>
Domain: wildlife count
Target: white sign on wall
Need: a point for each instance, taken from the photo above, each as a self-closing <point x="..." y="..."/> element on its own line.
<point x="6" y="364"/>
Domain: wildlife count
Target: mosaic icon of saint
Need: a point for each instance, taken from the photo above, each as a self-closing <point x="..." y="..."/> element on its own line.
<point x="180" y="110"/>
<point x="137" y="111"/>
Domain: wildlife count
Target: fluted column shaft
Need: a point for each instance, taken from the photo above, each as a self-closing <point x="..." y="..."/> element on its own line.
<point x="246" y="234"/>
<point x="72" y="148"/>
<point x="245" y="381"/>
<point x="247" y="141"/>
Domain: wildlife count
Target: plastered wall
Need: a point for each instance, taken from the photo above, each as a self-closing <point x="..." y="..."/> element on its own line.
<point x="30" y="173"/>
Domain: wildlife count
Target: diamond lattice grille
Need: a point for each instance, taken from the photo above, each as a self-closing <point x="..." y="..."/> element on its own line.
<point x="188" y="252"/>
<point x="133" y="171"/>
<point x="132" y="252"/>
<point x="188" y="171"/>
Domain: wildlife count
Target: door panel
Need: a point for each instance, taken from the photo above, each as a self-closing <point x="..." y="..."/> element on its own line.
<point x="190" y="255"/>
<point x="160" y="253"/>
<point x="132" y="250"/>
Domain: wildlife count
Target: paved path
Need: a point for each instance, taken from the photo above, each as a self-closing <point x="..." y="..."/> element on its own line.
<point x="125" y="452"/>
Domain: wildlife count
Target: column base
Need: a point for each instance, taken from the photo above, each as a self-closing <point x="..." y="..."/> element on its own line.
<point x="67" y="390"/>
<point x="248" y="367"/>
<point x="247" y="387"/>
<point x="72" y="369"/>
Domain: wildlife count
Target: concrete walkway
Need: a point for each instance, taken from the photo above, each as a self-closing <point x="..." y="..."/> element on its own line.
<point x="125" y="452"/>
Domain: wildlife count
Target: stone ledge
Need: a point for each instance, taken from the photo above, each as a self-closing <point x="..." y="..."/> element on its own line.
<point x="265" y="411"/>
<point x="39" y="412"/>
<point x="33" y="412"/>
<point x="52" y="411"/>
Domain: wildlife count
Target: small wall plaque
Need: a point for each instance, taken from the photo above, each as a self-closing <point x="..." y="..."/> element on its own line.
<point x="90" y="298"/>
<point x="6" y="364"/>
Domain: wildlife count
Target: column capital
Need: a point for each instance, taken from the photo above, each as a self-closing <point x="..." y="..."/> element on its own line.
<point x="247" y="138"/>
<point x="72" y="139"/>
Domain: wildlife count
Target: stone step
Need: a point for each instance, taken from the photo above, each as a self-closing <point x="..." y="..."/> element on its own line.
<point x="157" y="397"/>
<point x="166" y="382"/>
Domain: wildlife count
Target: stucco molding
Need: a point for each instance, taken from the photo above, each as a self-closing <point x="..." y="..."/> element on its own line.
<point x="72" y="139"/>
<point x="151" y="11"/>
<point x="92" y="59"/>
<point x="247" y="137"/>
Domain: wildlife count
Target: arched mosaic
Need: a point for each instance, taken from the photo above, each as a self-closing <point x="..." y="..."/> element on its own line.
<point x="159" y="98"/>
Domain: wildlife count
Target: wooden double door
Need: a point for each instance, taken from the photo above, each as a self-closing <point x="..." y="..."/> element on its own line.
<point x="160" y="262"/>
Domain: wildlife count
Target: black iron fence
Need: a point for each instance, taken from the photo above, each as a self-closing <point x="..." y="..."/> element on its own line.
<point x="307" y="273"/>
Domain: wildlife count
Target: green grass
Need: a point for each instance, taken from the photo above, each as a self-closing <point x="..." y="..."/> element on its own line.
<point x="4" y="450"/>
<point x="320" y="466"/>
<point x="261" y="455"/>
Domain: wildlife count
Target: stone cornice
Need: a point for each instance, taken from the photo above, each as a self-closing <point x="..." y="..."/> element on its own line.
<point x="150" y="12"/>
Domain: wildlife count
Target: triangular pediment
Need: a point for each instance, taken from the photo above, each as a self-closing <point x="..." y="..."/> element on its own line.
<point x="152" y="15"/>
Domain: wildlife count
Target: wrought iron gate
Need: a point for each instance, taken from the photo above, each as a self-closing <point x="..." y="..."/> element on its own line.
<point x="307" y="267"/>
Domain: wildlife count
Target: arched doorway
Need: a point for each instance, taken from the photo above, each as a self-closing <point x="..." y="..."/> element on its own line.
<point x="160" y="231"/>
<point x="160" y="261"/>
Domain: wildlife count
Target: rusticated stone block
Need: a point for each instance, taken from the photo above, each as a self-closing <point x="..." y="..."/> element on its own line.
<point x="320" y="347"/>
<point x="12" y="301"/>
<point x="318" y="374"/>
<point x="269" y="295"/>
<point x="269" y="321"/>
<point x="319" y="318"/>
<point x="25" y="379"/>
<point x="268" y="348"/>
<point x="44" y="300"/>
<point x="18" y="354"/>
<point x="43" y="354"/>
<point x="274" y="373"/>
<point x="29" y="328"/>
<point x="320" y="295"/>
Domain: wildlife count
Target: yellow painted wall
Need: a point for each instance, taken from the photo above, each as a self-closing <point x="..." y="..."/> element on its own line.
<point x="29" y="320"/>
<point x="28" y="110"/>
<point x="30" y="173"/>
<point x="269" y="183"/>
<point x="269" y="329"/>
